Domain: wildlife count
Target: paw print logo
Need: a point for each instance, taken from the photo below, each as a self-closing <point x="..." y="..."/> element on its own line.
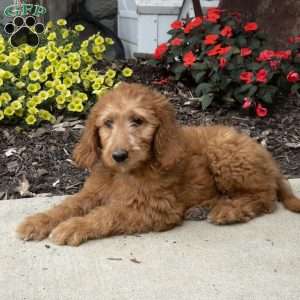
<point x="24" y="31"/>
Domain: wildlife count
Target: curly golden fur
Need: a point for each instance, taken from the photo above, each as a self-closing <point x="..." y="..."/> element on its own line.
<point x="148" y="174"/>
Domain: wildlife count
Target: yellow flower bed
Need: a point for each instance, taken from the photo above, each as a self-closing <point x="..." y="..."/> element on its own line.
<point x="37" y="84"/>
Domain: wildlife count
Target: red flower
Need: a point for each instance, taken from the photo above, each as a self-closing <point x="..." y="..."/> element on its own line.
<point x="177" y="24"/>
<point x="261" y="111"/>
<point x="215" y="50"/>
<point x="211" y="39"/>
<point x="177" y="42"/>
<point x="265" y="55"/>
<point x="160" y="51"/>
<point x="213" y="15"/>
<point x="226" y="31"/>
<point x="247" y="103"/>
<point x="189" y="58"/>
<point x="251" y="26"/>
<point x="274" y="64"/>
<point x="222" y="62"/>
<point x="262" y="76"/>
<point x="247" y="77"/>
<point x="245" y="51"/>
<point x="224" y="50"/>
<point x="194" y="23"/>
<point x="283" y="54"/>
<point x="293" y="76"/>
<point x="218" y="50"/>
<point x="294" y="39"/>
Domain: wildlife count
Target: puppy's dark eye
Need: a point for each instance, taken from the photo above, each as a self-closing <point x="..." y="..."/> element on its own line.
<point x="108" y="123"/>
<point x="136" y="122"/>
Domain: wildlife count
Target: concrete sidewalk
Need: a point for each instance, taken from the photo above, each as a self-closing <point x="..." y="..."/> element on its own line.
<point x="258" y="260"/>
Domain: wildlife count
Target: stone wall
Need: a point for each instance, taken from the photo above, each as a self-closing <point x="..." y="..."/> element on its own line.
<point x="278" y="18"/>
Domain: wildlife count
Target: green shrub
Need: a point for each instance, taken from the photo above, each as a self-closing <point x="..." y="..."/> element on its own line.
<point x="58" y="77"/>
<point x="228" y="60"/>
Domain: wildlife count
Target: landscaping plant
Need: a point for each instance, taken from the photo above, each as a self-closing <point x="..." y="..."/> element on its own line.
<point x="55" y="78"/>
<point x="226" y="59"/>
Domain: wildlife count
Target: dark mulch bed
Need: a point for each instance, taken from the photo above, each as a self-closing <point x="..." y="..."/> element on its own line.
<point x="38" y="161"/>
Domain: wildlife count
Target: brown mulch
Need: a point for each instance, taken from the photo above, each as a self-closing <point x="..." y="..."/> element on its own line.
<point x="38" y="161"/>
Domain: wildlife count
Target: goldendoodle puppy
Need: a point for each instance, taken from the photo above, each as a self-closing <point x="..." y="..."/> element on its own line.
<point x="148" y="174"/>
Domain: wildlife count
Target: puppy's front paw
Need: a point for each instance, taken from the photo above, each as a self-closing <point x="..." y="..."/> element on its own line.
<point x="72" y="232"/>
<point x="36" y="227"/>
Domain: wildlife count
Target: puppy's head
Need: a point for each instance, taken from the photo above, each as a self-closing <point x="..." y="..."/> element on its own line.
<point x="130" y="126"/>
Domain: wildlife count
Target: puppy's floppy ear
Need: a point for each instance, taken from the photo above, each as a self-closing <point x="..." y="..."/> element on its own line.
<point x="168" y="146"/>
<point x="87" y="151"/>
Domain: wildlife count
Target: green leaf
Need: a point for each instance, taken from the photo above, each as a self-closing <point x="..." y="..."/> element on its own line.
<point x="198" y="76"/>
<point x="242" y="41"/>
<point x="203" y="88"/>
<point x="254" y="66"/>
<point x="199" y="66"/>
<point x="252" y="90"/>
<point x="254" y="44"/>
<point x="206" y="100"/>
<point x="178" y="69"/>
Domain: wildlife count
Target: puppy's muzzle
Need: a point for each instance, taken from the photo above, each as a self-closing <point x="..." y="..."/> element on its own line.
<point x="120" y="155"/>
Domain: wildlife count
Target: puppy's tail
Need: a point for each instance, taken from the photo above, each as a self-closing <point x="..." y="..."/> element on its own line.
<point x="286" y="195"/>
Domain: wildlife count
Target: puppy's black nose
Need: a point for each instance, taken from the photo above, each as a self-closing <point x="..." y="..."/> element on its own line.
<point x="120" y="155"/>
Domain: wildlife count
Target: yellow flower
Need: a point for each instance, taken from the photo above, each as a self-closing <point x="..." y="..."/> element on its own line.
<point x="99" y="40"/>
<point x="68" y="47"/>
<point x="1" y="81"/>
<point x="64" y="33"/>
<point x="79" y="28"/>
<point x="31" y="103"/>
<point x="109" y="41"/>
<point x="99" y="56"/>
<point x="109" y="82"/>
<point x="49" y="84"/>
<point x="52" y="36"/>
<point x="83" y="96"/>
<point x="101" y="92"/>
<point x="84" y="44"/>
<point x="84" y="53"/>
<point x="60" y="99"/>
<point x="3" y="58"/>
<point x="68" y="82"/>
<point x="61" y="51"/>
<point x="76" y="65"/>
<point x="127" y="72"/>
<point x="16" y="105"/>
<point x="110" y="73"/>
<point x="2" y="48"/>
<point x="1" y="115"/>
<point x="61" y="87"/>
<point x="89" y="60"/>
<point x="33" y="87"/>
<point x="37" y="65"/>
<point x="43" y="95"/>
<point x="79" y="107"/>
<point x="86" y="84"/>
<point x="56" y="82"/>
<point x="33" y="110"/>
<point x="66" y="93"/>
<point x="34" y="76"/>
<point x="8" y="75"/>
<point x="61" y="22"/>
<point x="63" y="68"/>
<point x="28" y="49"/>
<point x="49" y="69"/>
<point x="43" y="77"/>
<point x="60" y="106"/>
<point x="30" y="120"/>
<point x="46" y="115"/>
<point x="51" y="93"/>
<point x="9" y="111"/>
<point x="19" y="113"/>
<point x="49" y="25"/>
<point x="96" y="49"/>
<point x="102" y="48"/>
<point x="92" y="76"/>
<point x="20" y="84"/>
<point x="6" y="97"/>
<point x="96" y="86"/>
<point x="13" y="61"/>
